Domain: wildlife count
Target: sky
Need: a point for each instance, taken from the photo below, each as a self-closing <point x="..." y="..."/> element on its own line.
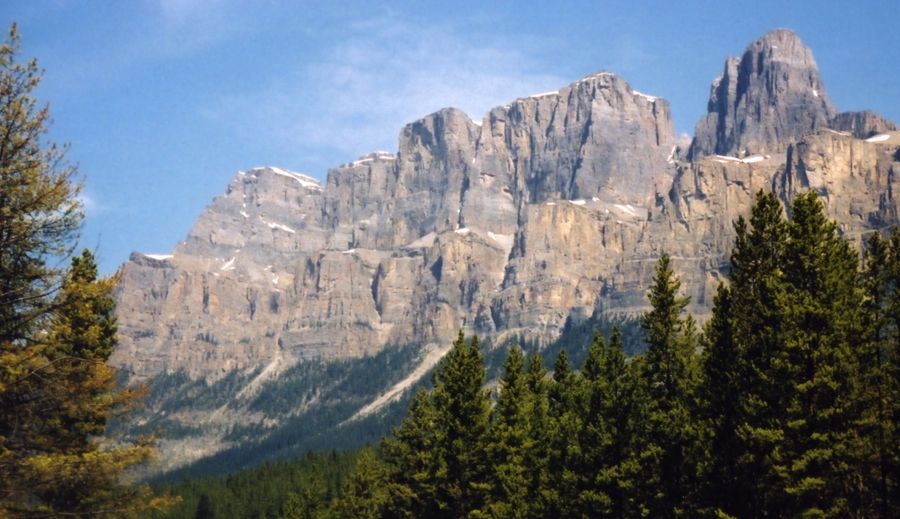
<point x="163" y="100"/>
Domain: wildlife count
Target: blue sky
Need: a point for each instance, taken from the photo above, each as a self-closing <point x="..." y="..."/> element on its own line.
<point x="163" y="100"/>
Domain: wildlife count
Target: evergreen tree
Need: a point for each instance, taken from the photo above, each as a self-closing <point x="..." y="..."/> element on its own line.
<point x="720" y="395"/>
<point x="536" y="456"/>
<point x="606" y="468"/>
<point x="757" y="322"/>
<point x="438" y="458"/>
<point x="564" y="413"/>
<point x="668" y="451"/>
<point x="818" y="362"/>
<point x="411" y="456"/>
<point x="878" y="390"/>
<point x="365" y="493"/>
<point x="56" y="328"/>
<point x="510" y="440"/>
<point x="205" y="508"/>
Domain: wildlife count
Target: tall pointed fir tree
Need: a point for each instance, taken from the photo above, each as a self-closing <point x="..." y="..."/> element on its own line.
<point x="754" y="316"/>
<point x="438" y="458"/>
<point x="536" y="456"/>
<point x="607" y="469"/>
<point x="878" y="390"/>
<point x="564" y="423"/>
<point x="819" y="362"/>
<point x="510" y="440"/>
<point x="670" y="440"/>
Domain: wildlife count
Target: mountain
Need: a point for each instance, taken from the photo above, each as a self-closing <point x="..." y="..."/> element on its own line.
<point x="331" y="300"/>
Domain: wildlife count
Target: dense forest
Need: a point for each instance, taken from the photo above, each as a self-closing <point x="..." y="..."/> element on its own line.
<point x="785" y="404"/>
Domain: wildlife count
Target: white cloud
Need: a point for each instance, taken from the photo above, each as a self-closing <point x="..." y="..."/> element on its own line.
<point x="383" y="74"/>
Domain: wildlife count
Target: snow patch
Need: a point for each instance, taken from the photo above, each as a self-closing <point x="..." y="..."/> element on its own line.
<point x="815" y="93"/>
<point x="753" y="158"/>
<point x="578" y="202"/>
<point x="650" y="98"/>
<point x="671" y="157"/>
<point x="462" y="230"/>
<point x="544" y="94"/>
<point x="229" y="265"/>
<point x="159" y="257"/>
<point x="304" y="180"/>
<point x="244" y="214"/>
<point x="881" y="137"/>
<point x="628" y="209"/>
<point x="845" y="134"/>
<point x="550" y="203"/>
<point x="280" y="226"/>
<point x="349" y="251"/>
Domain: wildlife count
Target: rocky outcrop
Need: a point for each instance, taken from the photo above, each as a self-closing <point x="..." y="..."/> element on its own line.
<point x="767" y="98"/>
<point x="551" y="208"/>
<point x="862" y="125"/>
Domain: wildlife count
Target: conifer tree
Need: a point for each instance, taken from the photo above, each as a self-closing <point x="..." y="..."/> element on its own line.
<point x="411" y="456"/>
<point x="510" y="440"/>
<point x="564" y="413"/>
<point x="878" y="390"/>
<point x="670" y="439"/>
<point x="606" y="468"/>
<point x="365" y="494"/>
<point x="756" y="305"/>
<point x="818" y="363"/>
<point x="536" y="456"/>
<point x="56" y="327"/>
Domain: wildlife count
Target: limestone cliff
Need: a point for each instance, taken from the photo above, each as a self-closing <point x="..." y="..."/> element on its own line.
<point x="548" y="209"/>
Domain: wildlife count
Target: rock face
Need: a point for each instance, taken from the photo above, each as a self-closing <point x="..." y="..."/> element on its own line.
<point x="763" y="100"/>
<point x="551" y="208"/>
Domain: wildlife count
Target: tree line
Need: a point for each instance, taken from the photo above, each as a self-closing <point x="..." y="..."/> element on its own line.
<point x="785" y="404"/>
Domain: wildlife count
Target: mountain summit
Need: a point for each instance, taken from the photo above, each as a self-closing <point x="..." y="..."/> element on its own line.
<point x="767" y="98"/>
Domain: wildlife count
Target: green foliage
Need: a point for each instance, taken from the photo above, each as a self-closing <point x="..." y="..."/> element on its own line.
<point x="57" y="329"/>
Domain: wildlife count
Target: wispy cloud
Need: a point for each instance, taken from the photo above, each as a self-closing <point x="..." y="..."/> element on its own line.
<point x="356" y="96"/>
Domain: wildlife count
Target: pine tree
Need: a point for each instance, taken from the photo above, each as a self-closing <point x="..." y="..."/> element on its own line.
<point x="564" y="413"/>
<point x="56" y="328"/>
<point x="818" y="362"/>
<point x="536" y="456"/>
<point x="606" y="469"/>
<point x="670" y="441"/>
<point x="365" y="494"/>
<point x="756" y="305"/>
<point x="412" y="463"/>
<point x="720" y="394"/>
<point x="510" y="440"/>
<point x="438" y="457"/>
<point x="878" y="390"/>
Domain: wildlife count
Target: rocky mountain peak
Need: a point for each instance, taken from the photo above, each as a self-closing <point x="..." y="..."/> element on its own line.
<point x="767" y="98"/>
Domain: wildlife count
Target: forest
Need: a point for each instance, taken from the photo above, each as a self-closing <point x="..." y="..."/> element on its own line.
<point x="785" y="404"/>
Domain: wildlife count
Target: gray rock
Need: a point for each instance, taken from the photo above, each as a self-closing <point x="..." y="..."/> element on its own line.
<point x="767" y="98"/>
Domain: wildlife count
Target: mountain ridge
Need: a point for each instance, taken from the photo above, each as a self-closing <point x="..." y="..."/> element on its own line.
<point x="552" y="209"/>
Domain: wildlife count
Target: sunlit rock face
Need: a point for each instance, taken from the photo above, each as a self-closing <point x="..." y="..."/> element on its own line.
<point x="547" y="209"/>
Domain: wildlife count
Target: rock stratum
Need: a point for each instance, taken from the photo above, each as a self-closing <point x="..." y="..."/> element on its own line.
<point x="549" y="209"/>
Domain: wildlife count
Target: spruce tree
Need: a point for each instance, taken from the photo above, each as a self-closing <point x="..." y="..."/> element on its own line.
<point x="536" y="456"/>
<point x="758" y="291"/>
<point x="510" y="440"/>
<point x="606" y="469"/>
<point x="819" y="364"/>
<point x="564" y="413"/>
<point x="670" y="440"/>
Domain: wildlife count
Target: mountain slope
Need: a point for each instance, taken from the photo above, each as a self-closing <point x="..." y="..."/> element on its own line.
<point x="551" y="209"/>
